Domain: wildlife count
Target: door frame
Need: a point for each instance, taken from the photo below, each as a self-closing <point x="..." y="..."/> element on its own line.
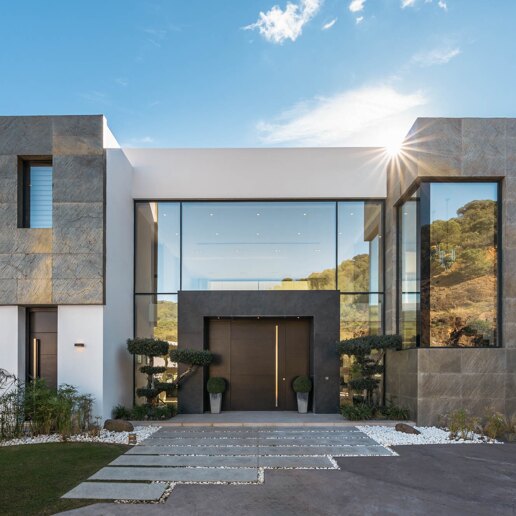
<point x="279" y="362"/>
<point x="28" y="348"/>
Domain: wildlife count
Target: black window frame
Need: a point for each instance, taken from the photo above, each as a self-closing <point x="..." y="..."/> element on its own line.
<point x="25" y="164"/>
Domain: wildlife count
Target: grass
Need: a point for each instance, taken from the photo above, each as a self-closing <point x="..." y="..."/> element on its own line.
<point x="34" y="477"/>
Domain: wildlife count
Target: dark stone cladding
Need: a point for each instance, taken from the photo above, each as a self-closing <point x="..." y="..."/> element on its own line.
<point x="63" y="264"/>
<point x="195" y="307"/>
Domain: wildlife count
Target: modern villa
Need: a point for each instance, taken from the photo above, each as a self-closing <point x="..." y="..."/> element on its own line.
<point x="267" y="257"/>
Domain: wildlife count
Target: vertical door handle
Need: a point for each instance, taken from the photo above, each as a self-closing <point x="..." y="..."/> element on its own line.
<point x="277" y="367"/>
<point x="35" y="358"/>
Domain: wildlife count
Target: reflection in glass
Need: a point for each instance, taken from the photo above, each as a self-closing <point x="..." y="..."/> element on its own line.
<point x="360" y="246"/>
<point x="463" y="264"/>
<point x="157" y="247"/>
<point x="259" y="246"/>
<point x="408" y="217"/>
<point x="156" y="317"/>
<point x="360" y="315"/>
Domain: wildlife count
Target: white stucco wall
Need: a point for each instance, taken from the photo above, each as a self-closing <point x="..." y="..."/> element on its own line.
<point x="259" y="173"/>
<point x="118" y="312"/>
<point x="82" y="368"/>
<point x="12" y="340"/>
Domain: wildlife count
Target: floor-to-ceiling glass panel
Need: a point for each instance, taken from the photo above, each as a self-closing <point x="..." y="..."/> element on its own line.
<point x="259" y="245"/>
<point x="409" y="253"/>
<point x="157" y="247"/>
<point x="156" y="317"/>
<point x="360" y="315"/>
<point x="463" y="264"/>
<point x="360" y="246"/>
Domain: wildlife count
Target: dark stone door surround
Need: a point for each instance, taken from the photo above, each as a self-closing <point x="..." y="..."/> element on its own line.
<point x="322" y="306"/>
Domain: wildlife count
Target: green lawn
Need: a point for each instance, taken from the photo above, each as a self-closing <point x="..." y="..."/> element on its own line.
<point x="34" y="477"/>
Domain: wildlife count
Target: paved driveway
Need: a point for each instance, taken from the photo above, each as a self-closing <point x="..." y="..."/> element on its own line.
<point x="458" y="479"/>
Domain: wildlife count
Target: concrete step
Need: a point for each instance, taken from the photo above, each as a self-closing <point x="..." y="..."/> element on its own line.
<point x="178" y="474"/>
<point x="117" y="491"/>
<point x="245" y="461"/>
<point x="338" y="451"/>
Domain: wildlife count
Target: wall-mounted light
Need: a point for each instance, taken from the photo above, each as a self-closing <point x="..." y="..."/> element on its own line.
<point x="79" y="346"/>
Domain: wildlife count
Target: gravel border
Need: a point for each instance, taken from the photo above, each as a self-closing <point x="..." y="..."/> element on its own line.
<point x="388" y="436"/>
<point x="142" y="432"/>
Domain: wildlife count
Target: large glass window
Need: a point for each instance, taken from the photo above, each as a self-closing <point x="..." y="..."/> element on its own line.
<point x="259" y="246"/>
<point x="156" y="317"/>
<point x="35" y="187"/>
<point x="448" y="265"/>
<point x="157" y="247"/>
<point x="463" y="264"/>
<point x="360" y="247"/>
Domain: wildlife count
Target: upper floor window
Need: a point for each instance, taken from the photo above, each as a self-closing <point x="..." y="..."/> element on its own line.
<point x="35" y="194"/>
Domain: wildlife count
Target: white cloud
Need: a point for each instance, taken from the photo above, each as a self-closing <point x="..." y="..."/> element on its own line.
<point x="437" y="56"/>
<point x="356" y="5"/>
<point x="407" y="3"/>
<point x="358" y="20"/>
<point x="365" y="116"/>
<point x="329" y="25"/>
<point x="277" y="25"/>
<point x="442" y="4"/>
<point x="411" y="3"/>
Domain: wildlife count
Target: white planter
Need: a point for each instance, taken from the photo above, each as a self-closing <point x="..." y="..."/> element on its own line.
<point x="302" y="402"/>
<point x="215" y="403"/>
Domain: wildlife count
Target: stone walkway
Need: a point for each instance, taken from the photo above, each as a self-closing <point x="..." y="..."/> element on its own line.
<point x="175" y="455"/>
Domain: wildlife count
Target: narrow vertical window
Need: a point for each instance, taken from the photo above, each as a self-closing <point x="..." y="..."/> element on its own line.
<point x="36" y="194"/>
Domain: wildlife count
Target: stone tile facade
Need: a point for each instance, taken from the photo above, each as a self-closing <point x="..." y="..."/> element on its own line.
<point x="63" y="264"/>
<point x="447" y="379"/>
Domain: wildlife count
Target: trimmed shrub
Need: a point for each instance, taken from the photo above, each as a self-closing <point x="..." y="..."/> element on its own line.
<point x="192" y="357"/>
<point x="357" y="412"/>
<point x="216" y="385"/>
<point x="152" y="369"/>
<point x="147" y="346"/>
<point x="147" y="412"/>
<point x="302" y="384"/>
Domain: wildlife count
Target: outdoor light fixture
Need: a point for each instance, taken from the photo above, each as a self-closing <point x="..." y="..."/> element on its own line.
<point x="79" y="346"/>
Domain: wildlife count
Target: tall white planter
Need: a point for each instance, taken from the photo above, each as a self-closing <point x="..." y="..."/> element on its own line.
<point x="302" y="402"/>
<point x="215" y="403"/>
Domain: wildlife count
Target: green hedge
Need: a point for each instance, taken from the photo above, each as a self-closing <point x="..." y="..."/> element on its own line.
<point x="192" y="357"/>
<point x="302" y="384"/>
<point x="216" y="385"/>
<point x="146" y="369"/>
<point x="148" y="347"/>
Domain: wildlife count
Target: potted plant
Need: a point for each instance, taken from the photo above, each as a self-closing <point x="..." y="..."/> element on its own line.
<point x="302" y="385"/>
<point x="216" y="386"/>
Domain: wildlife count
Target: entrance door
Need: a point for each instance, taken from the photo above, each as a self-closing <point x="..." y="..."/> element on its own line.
<point x="42" y="345"/>
<point x="260" y="358"/>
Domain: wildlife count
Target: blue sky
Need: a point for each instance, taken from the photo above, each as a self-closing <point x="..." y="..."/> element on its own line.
<point x="258" y="73"/>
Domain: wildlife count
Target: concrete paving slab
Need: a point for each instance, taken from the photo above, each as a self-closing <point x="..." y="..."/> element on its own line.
<point x="117" y="491"/>
<point x="178" y="474"/>
<point x="296" y="462"/>
<point x="193" y="450"/>
<point x="203" y="441"/>
<point x="249" y="461"/>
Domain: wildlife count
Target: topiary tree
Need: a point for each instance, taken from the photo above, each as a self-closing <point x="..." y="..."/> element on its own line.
<point x="151" y="348"/>
<point x="363" y="349"/>
<point x="302" y="384"/>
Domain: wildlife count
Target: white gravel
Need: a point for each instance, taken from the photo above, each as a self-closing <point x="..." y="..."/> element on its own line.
<point x="388" y="436"/>
<point x="142" y="432"/>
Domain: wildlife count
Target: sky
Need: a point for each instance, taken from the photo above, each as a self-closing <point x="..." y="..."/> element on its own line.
<point x="235" y="73"/>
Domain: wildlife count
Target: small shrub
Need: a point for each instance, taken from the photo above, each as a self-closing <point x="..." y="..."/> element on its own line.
<point x="461" y="424"/>
<point x="302" y="384"/>
<point x="147" y="369"/>
<point x="357" y="412"/>
<point x="216" y="385"/>
<point x="496" y="425"/>
<point x="149" y="412"/>
<point x="121" y="412"/>
<point x="395" y="413"/>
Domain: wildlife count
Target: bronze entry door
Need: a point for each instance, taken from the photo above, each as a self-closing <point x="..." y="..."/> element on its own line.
<point x="260" y="358"/>
<point x="42" y="345"/>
